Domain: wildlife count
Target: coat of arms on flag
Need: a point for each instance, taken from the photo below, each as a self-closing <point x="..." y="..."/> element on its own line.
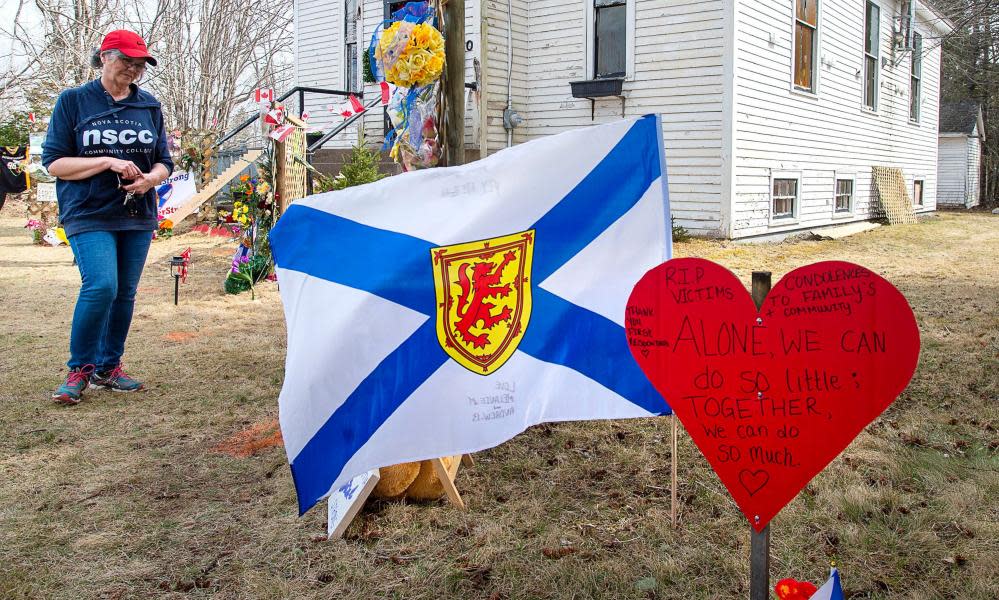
<point x="444" y="311"/>
<point x="483" y="299"/>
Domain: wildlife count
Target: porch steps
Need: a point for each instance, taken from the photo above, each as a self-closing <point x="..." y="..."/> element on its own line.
<point x="215" y="185"/>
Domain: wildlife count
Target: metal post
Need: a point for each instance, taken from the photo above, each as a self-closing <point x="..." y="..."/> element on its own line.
<point x="454" y="90"/>
<point x="759" y="543"/>
<point x="176" y="288"/>
<point x="673" y="475"/>
<point x="759" y="564"/>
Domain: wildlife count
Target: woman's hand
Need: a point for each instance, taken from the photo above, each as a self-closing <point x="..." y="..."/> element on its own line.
<point x="125" y="168"/>
<point x="142" y="184"/>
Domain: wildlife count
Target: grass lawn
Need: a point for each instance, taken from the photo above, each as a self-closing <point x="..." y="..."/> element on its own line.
<point x="138" y="496"/>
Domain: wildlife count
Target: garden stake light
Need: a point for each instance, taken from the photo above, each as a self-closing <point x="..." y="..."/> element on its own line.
<point x="178" y="269"/>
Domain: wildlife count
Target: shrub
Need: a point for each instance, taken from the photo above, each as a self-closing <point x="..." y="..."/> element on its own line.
<point x="359" y="167"/>
<point x="680" y="234"/>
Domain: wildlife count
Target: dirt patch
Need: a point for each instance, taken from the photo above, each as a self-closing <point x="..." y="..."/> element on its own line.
<point x="181" y="336"/>
<point x="252" y="440"/>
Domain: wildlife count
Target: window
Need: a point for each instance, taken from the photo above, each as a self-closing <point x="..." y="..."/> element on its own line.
<point x="844" y="196"/>
<point x="915" y="77"/>
<point x="610" y="38"/>
<point x="352" y="79"/>
<point x="785" y="198"/>
<point x="806" y="24"/>
<point x="872" y="54"/>
<point x="393" y="5"/>
<point x="917" y="192"/>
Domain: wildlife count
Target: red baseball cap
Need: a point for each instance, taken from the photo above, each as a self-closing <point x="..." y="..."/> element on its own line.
<point x="128" y="43"/>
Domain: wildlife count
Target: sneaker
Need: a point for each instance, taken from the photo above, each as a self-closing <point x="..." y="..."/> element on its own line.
<point x="115" y="380"/>
<point x="71" y="390"/>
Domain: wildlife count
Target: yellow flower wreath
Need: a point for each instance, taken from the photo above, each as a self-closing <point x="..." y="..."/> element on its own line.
<point x="421" y="60"/>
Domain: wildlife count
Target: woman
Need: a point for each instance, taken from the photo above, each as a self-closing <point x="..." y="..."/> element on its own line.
<point x="107" y="147"/>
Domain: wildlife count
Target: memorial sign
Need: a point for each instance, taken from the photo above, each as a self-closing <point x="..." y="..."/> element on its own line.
<point x="770" y="397"/>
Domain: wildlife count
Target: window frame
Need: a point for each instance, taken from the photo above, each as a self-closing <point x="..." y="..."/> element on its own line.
<point x="589" y="47"/>
<point x="921" y="181"/>
<point x="387" y="5"/>
<point x="916" y="77"/>
<point x="813" y="89"/>
<point x="791" y="219"/>
<point x="852" y="178"/>
<point x="872" y="108"/>
<point x="354" y="69"/>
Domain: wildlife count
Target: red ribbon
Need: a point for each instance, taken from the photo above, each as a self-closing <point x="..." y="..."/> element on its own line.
<point x="186" y="255"/>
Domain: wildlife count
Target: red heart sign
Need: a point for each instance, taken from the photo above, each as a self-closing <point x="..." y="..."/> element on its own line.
<point x="771" y="397"/>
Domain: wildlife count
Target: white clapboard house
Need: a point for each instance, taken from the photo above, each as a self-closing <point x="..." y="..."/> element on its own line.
<point x="962" y="132"/>
<point x="773" y="111"/>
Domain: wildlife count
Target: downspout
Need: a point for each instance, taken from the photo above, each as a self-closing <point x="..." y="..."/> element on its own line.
<point x="511" y="120"/>
<point x="509" y="69"/>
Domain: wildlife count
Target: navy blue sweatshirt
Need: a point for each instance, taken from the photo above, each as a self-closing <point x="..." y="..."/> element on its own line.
<point x="88" y="122"/>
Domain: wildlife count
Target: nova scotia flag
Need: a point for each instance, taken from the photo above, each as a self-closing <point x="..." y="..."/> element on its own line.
<point x="831" y="589"/>
<point x="444" y="311"/>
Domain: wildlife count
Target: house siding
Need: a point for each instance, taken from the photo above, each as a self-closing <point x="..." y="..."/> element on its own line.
<point x="319" y="55"/>
<point x="500" y="21"/>
<point x="319" y="28"/>
<point x="678" y="57"/>
<point x="678" y="65"/>
<point x="953" y="170"/>
<point x="719" y="74"/>
<point x="829" y="132"/>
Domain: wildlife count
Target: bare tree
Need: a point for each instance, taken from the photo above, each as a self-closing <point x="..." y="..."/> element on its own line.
<point x="211" y="53"/>
<point x="216" y="52"/>
<point x="55" y="48"/>
<point x="971" y="71"/>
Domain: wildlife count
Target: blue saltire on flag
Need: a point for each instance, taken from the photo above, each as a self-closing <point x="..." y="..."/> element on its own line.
<point x="381" y="370"/>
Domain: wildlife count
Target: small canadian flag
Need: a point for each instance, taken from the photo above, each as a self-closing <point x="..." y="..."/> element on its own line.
<point x="262" y="95"/>
<point x="282" y="132"/>
<point x="274" y="116"/>
<point x="31" y="117"/>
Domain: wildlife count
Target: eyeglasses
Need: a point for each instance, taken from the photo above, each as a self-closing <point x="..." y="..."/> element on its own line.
<point x="136" y="65"/>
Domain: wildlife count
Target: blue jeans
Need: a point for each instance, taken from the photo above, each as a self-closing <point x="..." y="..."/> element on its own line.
<point x="110" y="264"/>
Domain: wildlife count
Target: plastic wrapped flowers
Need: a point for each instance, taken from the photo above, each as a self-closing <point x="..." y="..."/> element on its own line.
<point x="409" y="54"/>
<point x="414" y="115"/>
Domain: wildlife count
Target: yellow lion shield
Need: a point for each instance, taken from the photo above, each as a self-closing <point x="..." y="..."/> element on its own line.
<point x="483" y="299"/>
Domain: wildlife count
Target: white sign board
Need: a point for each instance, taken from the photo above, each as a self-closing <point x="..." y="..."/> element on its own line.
<point x="35" y="142"/>
<point x="174" y="192"/>
<point x="45" y="191"/>
<point x="347" y="500"/>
